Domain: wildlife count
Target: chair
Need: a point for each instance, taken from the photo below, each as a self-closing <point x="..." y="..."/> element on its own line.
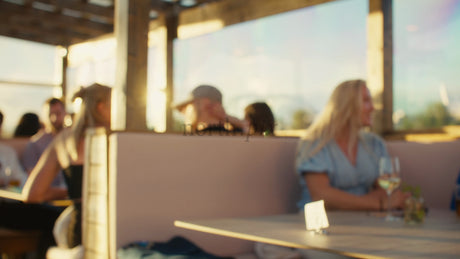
<point x="17" y="243"/>
<point x="60" y="235"/>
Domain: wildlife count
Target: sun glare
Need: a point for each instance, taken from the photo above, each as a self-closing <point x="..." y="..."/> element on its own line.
<point x="90" y="51"/>
<point x="195" y="29"/>
<point x="76" y="104"/>
<point x="156" y="110"/>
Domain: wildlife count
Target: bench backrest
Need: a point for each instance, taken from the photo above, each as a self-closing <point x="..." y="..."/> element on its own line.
<point x="161" y="178"/>
<point x="156" y="179"/>
<point x="432" y="166"/>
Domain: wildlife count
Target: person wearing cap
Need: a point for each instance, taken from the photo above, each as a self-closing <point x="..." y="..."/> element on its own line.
<point x="204" y="113"/>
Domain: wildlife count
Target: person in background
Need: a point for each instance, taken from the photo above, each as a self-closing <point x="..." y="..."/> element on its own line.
<point x="17" y="215"/>
<point x="66" y="153"/>
<point x="11" y="172"/>
<point x="204" y="113"/>
<point x="337" y="160"/>
<point x="260" y="119"/>
<point x="55" y="113"/>
<point x="28" y="125"/>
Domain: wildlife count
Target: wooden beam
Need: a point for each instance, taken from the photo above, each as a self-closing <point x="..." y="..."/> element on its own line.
<point x="35" y="37"/>
<point x="235" y="11"/>
<point x="380" y="63"/>
<point x="12" y="11"/>
<point x="160" y="6"/>
<point x="87" y="10"/>
<point x="130" y="92"/>
<point x="48" y="32"/>
<point x="54" y="28"/>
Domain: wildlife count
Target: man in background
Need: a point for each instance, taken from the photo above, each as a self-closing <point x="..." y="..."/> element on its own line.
<point x="55" y="112"/>
<point x="204" y="113"/>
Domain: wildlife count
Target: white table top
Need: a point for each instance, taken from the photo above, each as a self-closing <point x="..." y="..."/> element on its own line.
<point x="356" y="234"/>
<point x="12" y="193"/>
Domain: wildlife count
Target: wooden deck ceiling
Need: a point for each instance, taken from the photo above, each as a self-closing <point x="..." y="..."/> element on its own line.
<point x="67" y="22"/>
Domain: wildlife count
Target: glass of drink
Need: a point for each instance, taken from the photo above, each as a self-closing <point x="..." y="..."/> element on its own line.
<point x="389" y="179"/>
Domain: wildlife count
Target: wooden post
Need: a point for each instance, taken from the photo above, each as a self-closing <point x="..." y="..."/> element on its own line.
<point x="171" y="30"/>
<point x="129" y="98"/>
<point x="380" y="63"/>
<point x="65" y="64"/>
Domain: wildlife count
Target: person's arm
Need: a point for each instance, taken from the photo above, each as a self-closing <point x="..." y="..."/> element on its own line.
<point x="242" y="124"/>
<point x="38" y="186"/>
<point x="218" y="112"/>
<point x="320" y="189"/>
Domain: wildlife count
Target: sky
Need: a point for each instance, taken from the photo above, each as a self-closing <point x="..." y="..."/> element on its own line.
<point x="426" y="53"/>
<point x="294" y="60"/>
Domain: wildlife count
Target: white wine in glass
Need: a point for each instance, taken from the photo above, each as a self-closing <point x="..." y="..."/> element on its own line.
<point x="389" y="179"/>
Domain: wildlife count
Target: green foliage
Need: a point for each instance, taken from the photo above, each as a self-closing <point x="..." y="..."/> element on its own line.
<point x="435" y="115"/>
<point x="414" y="190"/>
<point x="414" y="209"/>
<point x="301" y="119"/>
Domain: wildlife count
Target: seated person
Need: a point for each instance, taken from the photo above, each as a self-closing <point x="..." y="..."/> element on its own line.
<point x="260" y="119"/>
<point x="54" y="123"/>
<point x="11" y="172"/>
<point x="28" y="125"/>
<point x="66" y="152"/>
<point x="204" y="113"/>
<point x="16" y="215"/>
<point x="337" y="160"/>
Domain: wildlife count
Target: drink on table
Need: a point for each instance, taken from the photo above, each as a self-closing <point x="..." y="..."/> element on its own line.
<point x="389" y="179"/>
<point x="389" y="183"/>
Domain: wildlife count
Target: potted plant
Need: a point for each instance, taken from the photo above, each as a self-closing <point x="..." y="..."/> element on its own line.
<point x="414" y="210"/>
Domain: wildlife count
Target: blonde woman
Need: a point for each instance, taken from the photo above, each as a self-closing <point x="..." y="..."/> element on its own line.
<point x="337" y="160"/>
<point x="66" y="153"/>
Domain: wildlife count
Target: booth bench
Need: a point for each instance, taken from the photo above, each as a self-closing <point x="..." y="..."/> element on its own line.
<point x="154" y="179"/>
<point x="137" y="184"/>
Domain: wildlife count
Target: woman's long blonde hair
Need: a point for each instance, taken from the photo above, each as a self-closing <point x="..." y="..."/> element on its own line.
<point x="88" y="115"/>
<point x="341" y="114"/>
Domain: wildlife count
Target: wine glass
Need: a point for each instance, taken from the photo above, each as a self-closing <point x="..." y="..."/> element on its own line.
<point x="389" y="179"/>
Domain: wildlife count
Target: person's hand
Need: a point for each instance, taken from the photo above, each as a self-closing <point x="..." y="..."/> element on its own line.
<point x="398" y="199"/>
<point x="378" y="194"/>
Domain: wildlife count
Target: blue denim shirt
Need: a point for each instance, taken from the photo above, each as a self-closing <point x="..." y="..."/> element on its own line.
<point x="355" y="179"/>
